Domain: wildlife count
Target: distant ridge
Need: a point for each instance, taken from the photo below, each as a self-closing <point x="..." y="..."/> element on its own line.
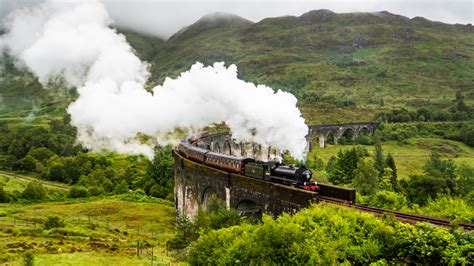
<point x="216" y="20"/>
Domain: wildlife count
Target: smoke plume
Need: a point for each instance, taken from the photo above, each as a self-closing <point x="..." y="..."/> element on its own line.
<point x="75" y="41"/>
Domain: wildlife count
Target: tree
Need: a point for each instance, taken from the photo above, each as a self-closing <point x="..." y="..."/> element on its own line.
<point x="158" y="191"/>
<point x="53" y="222"/>
<point x="17" y="148"/>
<point x="41" y="154"/>
<point x="390" y="163"/>
<point x="121" y="187"/>
<point x="420" y="188"/>
<point x="56" y="172"/>
<point x="72" y="170"/>
<point x="465" y="181"/>
<point x="439" y="168"/>
<point x="365" y="180"/>
<point x="26" y="164"/>
<point x="34" y="191"/>
<point x="379" y="162"/>
<point x="344" y="167"/>
<point x="161" y="168"/>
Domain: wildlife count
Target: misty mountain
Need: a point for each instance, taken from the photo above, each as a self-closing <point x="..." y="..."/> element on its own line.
<point x="324" y="58"/>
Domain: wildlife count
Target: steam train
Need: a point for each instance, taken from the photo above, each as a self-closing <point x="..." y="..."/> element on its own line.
<point x="299" y="177"/>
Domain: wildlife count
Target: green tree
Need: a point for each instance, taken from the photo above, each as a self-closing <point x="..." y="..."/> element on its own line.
<point x="365" y="180"/>
<point x="41" y="154"/>
<point x="56" y="172"/>
<point x="379" y="162"/>
<point x="34" y="191"/>
<point x="465" y="181"/>
<point x="72" y="170"/>
<point x="17" y="148"/>
<point x="344" y="167"/>
<point x="26" y="164"/>
<point x="161" y="168"/>
<point x="439" y="168"/>
<point x="420" y="188"/>
<point x="390" y="163"/>
<point x="53" y="222"/>
<point x="121" y="187"/>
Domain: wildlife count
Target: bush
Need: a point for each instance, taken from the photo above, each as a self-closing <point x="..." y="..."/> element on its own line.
<point x="4" y="197"/>
<point x="216" y="216"/>
<point x="53" y="222"/>
<point x="78" y="192"/>
<point x="96" y="191"/>
<point x="331" y="235"/>
<point x="34" y="191"/>
<point x="29" y="258"/>
<point x="388" y="200"/>
<point x="158" y="191"/>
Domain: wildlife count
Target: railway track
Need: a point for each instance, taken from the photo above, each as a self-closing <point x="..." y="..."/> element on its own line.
<point x="401" y="216"/>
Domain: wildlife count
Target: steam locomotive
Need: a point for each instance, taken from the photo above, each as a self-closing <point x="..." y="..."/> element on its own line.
<point x="299" y="177"/>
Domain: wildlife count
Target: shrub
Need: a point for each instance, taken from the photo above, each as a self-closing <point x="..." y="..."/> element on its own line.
<point x="96" y="191"/>
<point x="78" y="192"/>
<point x="53" y="222"/>
<point x="29" y="258"/>
<point x="4" y="197"/>
<point x="34" y="191"/>
<point x="388" y="200"/>
<point x="330" y="235"/>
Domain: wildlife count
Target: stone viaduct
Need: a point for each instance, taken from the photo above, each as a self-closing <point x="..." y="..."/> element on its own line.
<point x="196" y="183"/>
<point x="323" y="131"/>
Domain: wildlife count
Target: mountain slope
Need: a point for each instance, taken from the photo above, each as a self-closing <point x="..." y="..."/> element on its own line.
<point x="362" y="62"/>
<point x="322" y="56"/>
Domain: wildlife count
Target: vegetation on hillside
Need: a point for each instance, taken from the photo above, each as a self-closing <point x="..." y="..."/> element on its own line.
<point x="328" y="235"/>
<point x="88" y="232"/>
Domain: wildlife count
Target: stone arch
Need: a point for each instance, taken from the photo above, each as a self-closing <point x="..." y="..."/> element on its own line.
<point x="236" y="148"/>
<point x="217" y="148"/>
<point x="207" y="194"/>
<point x="248" y="207"/>
<point x="348" y="135"/>
<point x="227" y="148"/>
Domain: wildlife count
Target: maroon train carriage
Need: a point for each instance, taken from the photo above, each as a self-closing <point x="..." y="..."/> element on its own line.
<point x="226" y="162"/>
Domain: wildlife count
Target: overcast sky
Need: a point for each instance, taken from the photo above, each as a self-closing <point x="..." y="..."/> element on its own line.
<point x="163" y="18"/>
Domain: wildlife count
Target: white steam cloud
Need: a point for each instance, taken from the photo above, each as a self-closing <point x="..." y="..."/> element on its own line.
<point x="75" y="42"/>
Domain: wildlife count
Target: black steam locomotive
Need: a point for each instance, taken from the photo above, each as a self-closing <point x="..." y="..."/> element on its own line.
<point x="299" y="177"/>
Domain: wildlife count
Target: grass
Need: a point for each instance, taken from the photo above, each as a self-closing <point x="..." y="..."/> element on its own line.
<point x="98" y="232"/>
<point x="410" y="156"/>
<point x="11" y="183"/>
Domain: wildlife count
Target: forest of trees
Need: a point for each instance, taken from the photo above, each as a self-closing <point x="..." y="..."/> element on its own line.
<point x="52" y="154"/>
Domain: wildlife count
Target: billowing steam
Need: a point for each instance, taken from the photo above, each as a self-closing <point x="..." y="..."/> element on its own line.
<point x="74" y="41"/>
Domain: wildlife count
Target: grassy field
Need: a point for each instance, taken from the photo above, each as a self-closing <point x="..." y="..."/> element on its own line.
<point x="410" y="156"/>
<point x="96" y="232"/>
<point x="11" y="183"/>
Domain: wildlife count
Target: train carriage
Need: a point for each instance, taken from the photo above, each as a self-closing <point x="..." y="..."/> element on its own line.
<point x="225" y="162"/>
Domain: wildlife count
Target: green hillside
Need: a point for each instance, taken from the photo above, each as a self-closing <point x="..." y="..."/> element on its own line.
<point x="354" y="59"/>
<point x="342" y="67"/>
